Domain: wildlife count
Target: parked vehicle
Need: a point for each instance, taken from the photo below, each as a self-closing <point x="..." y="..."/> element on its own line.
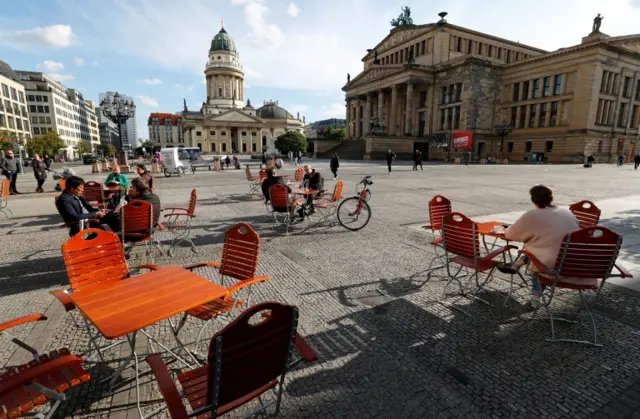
<point x="173" y="163"/>
<point x="88" y="158"/>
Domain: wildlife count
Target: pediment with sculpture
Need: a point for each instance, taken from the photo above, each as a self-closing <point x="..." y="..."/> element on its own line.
<point x="631" y="44"/>
<point x="232" y="116"/>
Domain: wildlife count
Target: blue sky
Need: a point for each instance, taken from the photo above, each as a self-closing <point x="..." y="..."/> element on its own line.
<point x="294" y="51"/>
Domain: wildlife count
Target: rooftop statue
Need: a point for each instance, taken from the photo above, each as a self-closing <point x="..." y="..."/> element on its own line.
<point x="597" y="21"/>
<point x="404" y="19"/>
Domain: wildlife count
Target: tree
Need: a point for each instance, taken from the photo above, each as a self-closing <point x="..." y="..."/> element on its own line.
<point x="332" y="133"/>
<point x="7" y="140"/>
<point x="49" y="143"/>
<point x="83" y="148"/>
<point x="147" y="146"/>
<point x="291" y="141"/>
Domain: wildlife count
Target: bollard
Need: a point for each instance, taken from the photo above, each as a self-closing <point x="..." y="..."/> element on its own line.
<point x="95" y="167"/>
<point x="483" y="161"/>
<point x="505" y="161"/>
<point x="105" y="166"/>
<point x="125" y="168"/>
<point x="216" y="165"/>
<point x="457" y="160"/>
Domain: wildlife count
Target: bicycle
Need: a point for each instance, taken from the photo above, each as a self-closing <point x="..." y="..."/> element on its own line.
<point x="356" y="208"/>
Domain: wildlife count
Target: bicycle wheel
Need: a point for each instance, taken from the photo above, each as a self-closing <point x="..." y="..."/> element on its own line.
<point x="353" y="214"/>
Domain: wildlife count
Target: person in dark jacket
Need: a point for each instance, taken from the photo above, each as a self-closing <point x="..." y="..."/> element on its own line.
<point x="47" y="162"/>
<point x="271" y="180"/>
<point x="334" y="164"/>
<point x="9" y="167"/>
<point x="139" y="190"/>
<point x="39" y="171"/>
<point x="314" y="181"/>
<point x="73" y="208"/>
<point x="636" y="161"/>
<point x="417" y="160"/>
<point x="390" y="156"/>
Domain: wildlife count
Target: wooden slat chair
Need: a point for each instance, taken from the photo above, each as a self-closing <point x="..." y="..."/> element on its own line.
<point x="47" y="376"/>
<point x="439" y="206"/>
<point x="254" y="182"/>
<point x="92" y="258"/>
<point x="327" y="207"/>
<point x="586" y="212"/>
<point x="4" y="198"/>
<point x="461" y="243"/>
<point x="178" y="223"/>
<point x="297" y="177"/>
<point x="585" y="261"/>
<point x="237" y="268"/>
<point x="137" y="229"/>
<point x="246" y="359"/>
<point x="94" y="194"/>
<point x="282" y="205"/>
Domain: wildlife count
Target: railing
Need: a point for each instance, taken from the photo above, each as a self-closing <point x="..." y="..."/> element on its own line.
<point x="223" y="65"/>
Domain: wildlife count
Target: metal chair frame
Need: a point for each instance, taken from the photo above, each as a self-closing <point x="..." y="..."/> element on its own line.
<point x="327" y="207"/>
<point x="439" y="206"/>
<point x="138" y="230"/>
<point x="254" y="182"/>
<point x="178" y="224"/>
<point x="279" y="194"/>
<point x="4" y="198"/>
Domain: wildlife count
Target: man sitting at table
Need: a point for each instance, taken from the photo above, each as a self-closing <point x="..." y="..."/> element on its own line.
<point x="139" y="191"/>
<point x="541" y="230"/>
<point x="271" y="180"/>
<point x="314" y="181"/>
<point x="73" y="208"/>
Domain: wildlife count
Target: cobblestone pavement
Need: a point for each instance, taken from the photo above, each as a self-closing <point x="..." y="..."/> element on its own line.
<point x="387" y="348"/>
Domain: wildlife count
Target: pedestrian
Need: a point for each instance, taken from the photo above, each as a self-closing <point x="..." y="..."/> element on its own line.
<point x="47" y="162"/>
<point x="390" y="156"/>
<point x="620" y="160"/>
<point x="334" y="164"/>
<point x="299" y="157"/>
<point x="9" y="167"/>
<point x="264" y="159"/>
<point x="39" y="171"/>
<point x="417" y="160"/>
<point x="636" y="161"/>
<point x="291" y="157"/>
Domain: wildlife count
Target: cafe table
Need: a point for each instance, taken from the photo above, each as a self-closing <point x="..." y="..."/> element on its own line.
<point x="126" y="307"/>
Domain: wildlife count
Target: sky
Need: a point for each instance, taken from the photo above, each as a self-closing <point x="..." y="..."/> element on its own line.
<point x="295" y="51"/>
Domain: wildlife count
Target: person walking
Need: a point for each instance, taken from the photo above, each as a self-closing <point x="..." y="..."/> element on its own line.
<point x="390" y="156"/>
<point x="9" y="167"/>
<point x="636" y="161"/>
<point x="47" y="162"/>
<point x="39" y="171"/>
<point x="334" y="164"/>
<point x="620" y="160"/>
<point x="299" y="157"/>
<point x="417" y="160"/>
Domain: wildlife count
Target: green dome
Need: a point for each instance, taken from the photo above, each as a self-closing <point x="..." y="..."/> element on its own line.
<point x="222" y="42"/>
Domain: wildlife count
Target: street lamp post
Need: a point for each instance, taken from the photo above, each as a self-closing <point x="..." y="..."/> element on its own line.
<point x="118" y="110"/>
<point x="502" y="130"/>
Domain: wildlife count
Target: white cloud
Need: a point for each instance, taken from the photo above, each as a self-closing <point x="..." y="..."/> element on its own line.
<point x="148" y="101"/>
<point x="335" y="110"/>
<point x="262" y="34"/>
<point x="95" y="63"/>
<point x="152" y="82"/>
<point x="294" y="109"/>
<point x="293" y="10"/>
<point x="60" y="77"/>
<point x="250" y="73"/>
<point x="79" y="62"/>
<point x="186" y="88"/>
<point x="58" y="36"/>
<point x="50" y="66"/>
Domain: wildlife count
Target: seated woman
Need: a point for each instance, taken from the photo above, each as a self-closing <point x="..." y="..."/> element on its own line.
<point x="116" y="179"/>
<point x="74" y="209"/>
<point x="541" y="230"/>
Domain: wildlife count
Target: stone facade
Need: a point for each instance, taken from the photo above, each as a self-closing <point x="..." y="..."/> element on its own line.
<point x="224" y="124"/>
<point x="422" y="83"/>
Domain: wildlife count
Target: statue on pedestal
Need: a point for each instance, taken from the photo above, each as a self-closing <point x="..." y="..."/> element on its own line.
<point x="597" y="21"/>
<point x="348" y="78"/>
<point x="404" y="19"/>
<point x="184" y="101"/>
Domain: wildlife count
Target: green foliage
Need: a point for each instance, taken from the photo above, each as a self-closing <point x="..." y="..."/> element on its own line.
<point x="49" y="143"/>
<point x="7" y="139"/>
<point x="147" y="146"/>
<point x="332" y="133"/>
<point x="291" y="141"/>
<point x="83" y="148"/>
<point x="106" y="150"/>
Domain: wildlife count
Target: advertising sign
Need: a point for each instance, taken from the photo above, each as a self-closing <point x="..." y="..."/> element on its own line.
<point x="462" y="139"/>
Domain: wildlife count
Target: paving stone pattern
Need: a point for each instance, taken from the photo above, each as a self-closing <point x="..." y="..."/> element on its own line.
<point x="387" y="347"/>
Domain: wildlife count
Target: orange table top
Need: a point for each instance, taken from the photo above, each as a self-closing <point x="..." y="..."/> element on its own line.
<point x="305" y="191"/>
<point x="115" y="188"/>
<point x="486" y="229"/>
<point x="122" y="307"/>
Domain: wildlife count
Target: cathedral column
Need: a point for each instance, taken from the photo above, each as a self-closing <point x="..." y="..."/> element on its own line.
<point x="367" y="115"/>
<point x="409" y="110"/>
<point x="393" y="110"/>
<point x="358" y="119"/>
<point x="348" y="117"/>
<point x="380" y="103"/>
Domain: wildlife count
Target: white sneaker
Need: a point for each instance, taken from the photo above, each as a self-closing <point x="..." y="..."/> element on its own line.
<point x="334" y="178"/>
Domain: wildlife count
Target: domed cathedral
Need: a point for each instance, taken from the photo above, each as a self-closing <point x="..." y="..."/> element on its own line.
<point x="226" y="123"/>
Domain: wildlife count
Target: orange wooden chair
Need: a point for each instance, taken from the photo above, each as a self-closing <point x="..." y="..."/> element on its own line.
<point x="92" y="258"/>
<point x="254" y="182"/>
<point x="586" y="212"/>
<point x="93" y="193"/>
<point x="585" y="261"/>
<point x="47" y="376"/>
<point x="461" y="242"/>
<point x="327" y="207"/>
<point x="4" y="198"/>
<point x="297" y="177"/>
<point x="246" y="359"/>
<point x="137" y="227"/>
<point x="178" y="223"/>
<point x="282" y="205"/>
<point x="62" y="183"/>
<point x="238" y="268"/>
<point x="439" y="206"/>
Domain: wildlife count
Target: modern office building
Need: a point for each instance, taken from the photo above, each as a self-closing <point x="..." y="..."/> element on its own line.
<point x="14" y="114"/>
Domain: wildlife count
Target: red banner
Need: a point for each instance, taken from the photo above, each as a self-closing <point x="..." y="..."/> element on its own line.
<point x="462" y="139"/>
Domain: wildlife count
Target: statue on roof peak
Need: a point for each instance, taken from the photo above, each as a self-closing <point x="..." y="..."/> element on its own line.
<point x="404" y="19"/>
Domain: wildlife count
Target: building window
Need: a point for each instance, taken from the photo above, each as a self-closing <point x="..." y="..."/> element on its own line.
<point x="244" y="133"/>
<point x="456" y="117"/>
<point x="458" y="45"/>
<point x="634" y="117"/>
<point x="516" y="91"/>
<point x="224" y="146"/>
<point x="490" y="50"/>
<point x="449" y="117"/>
<point x="557" y="88"/>
<point x="459" y="92"/>
<point x="223" y="133"/>
<point x="548" y="147"/>
<point x="532" y="116"/>
<point x="253" y="147"/>
<point x="510" y="147"/>
<point x="470" y="47"/>
<point x="514" y="115"/>
<point x="499" y="53"/>
<point x="626" y="90"/>
<point x="479" y="48"/>
<point x="32" y="108"/>
<point x="253" y="134"/>
<point x="46" y="109"/>
<point x="5" y="90"/>
<point x="525" y="90"/>
<point x="543" y="115"/>
<point x="546" y="86"/>
<point x="553" y="114"/>
<point x="638" y="91"/>
<point x="443" y="95"/>
<point x="536" y="88"/>
<point x="508" y="56"/>
<point x="599" y="146"/>
<point x="622" y="115"/>
<point x="423" y="99"/>
<point x="443" y="118"/>
<point x="21" y="95"/>
<point x="528" y="146"/>
<point x="213" y="146"/>
<point x="219" y="91"/>
<point x="198" y="134"/>
<point x="212" y="133"/>
<point x="523" y="116"/>
<point x="14" y="94"/>
<point x="244" y="147"/>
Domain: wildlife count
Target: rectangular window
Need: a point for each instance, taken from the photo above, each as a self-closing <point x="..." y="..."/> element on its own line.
<point x="36" y="131"/>
<point x="449" y="117"/>
<point x="456" y="117"/>
<point x="514" y="115"/>
<point x="490" y="50"/>
<point x="499" y="53"/>
<point x="46" y="109"/>
<point x="634" y="117"/>
<point x="626" y="90"/>
<point x="198" y="133"/>
<point x="253" y="147"/>
<point x="31" y="98"/>
<point x="523" y="116"/>
<point x="532" y="116"/>
<point x="19" y="123"/>
<point x="616" y="84"/>
<point x="458" y="45"/>
<point x="622" y="115"/>
<point x="423" y="47"/>
<point x="223" y="133"/>
<point x="14" y="94"/>
<point x="38" y="98"/>
<point x="32" y="108"/>
<point x="423" y="99"/>
<point x="213" y="147"/>
<point x="12" y="124"/>
<point x="557" y="88"/>
<point x="548" y="147"/>
<point x="528" y="146"/>
<point x="21" y="96"/>
<point x="212" y="133"/>
<point x="638" y="91"/>
<point x="543" y="115"/>
<point x="8" y="106"/>
<point x="479" y="48"/>
<point x="5" y="90"/>
<point x="470" y="47"/>
<point x="536" y="88"/>
<point x="546" y="86"/>
<point x="443" y="95"/>
<point x="224" y="146"/>
<point x="508" y="56"/>
<point x="516" y="91"/>
<point x="510" y="147"/>
<point x="244" y="133"/>
<point x="219" y="91"/>
<point x="553" y="114"/>
<point x="525" y="90"/>
<point x="459" y="92"/>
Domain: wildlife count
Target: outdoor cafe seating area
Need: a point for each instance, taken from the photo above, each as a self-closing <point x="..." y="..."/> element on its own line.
<point x="117" y="303"/>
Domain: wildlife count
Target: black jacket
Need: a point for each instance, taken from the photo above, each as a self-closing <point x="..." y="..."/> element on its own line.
<point x="335" y="162"/>
<point x="269" y="182"/>
<point x="70" y="209"/>
<point x="314" y="180"/>
<point x="151" y="198"/>
<point x="390" y="157"/>
<point x="636" y="158"/>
